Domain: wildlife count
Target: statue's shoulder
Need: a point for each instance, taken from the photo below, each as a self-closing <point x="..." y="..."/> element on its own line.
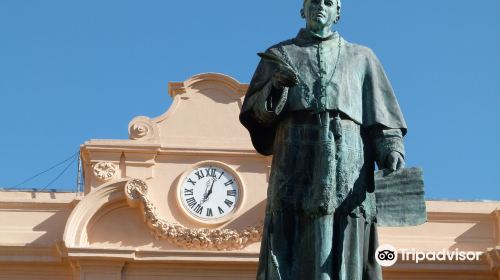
<point x="283" y="44"/>
<point x="357" y="50"/>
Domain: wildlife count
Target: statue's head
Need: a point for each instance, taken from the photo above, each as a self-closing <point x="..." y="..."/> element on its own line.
<point x="320" y="13"/>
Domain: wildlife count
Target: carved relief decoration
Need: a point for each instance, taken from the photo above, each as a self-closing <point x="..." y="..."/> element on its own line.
<point x="199" y="238"/>
<point x="142" y="128"/>
<point x="105" y="171"/>
<point x="493" y="257"/>
<point x="136" y="189"/>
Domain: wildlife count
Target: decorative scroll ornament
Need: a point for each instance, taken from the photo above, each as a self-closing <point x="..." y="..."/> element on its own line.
<point x="142" y="128"/>
<point x="200" y="239"/>
<point x="139" y="130"/>
<point x="105" y="171"/>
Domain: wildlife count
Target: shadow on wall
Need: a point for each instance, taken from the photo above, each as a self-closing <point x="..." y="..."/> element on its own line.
<point x="51" y="228"/>
<point x="478" y="237"/>
<point x="252" y="217"/>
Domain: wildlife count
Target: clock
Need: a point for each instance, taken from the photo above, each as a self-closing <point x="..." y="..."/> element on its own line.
<point x="210" y="192"/>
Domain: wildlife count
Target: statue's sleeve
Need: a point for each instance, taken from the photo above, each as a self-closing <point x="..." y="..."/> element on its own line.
<point x="387" y="141"/>
<point x="381" y="112"/>
<point x="380" y="106"/>
<point x="258" y="113"/>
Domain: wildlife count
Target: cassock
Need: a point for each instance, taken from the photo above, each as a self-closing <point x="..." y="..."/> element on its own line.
<point x="325" y="135"/>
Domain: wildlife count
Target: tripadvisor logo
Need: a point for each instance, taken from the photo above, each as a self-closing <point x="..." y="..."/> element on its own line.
<point x="387" y="255"/>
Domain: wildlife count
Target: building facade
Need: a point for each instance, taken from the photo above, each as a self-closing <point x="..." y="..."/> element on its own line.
<point x="184" y="198"/>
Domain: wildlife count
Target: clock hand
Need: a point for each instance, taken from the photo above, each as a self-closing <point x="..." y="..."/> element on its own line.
<point x="205" y="195"/>
<point x="211" y="187"/>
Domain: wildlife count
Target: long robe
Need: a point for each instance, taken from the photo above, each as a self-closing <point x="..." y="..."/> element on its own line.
<point x="325" y="135"/>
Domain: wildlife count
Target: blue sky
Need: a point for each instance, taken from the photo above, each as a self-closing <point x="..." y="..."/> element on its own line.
<point x="71" y="71"/>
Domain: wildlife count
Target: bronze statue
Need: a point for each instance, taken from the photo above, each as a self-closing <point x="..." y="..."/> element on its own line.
<point x="324" y="108"/>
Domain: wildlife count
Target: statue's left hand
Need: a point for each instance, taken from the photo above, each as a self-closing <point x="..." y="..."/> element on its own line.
<point x="395" y="161"/>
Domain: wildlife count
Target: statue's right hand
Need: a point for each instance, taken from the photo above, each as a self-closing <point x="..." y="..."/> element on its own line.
<point x="284" y="77"/>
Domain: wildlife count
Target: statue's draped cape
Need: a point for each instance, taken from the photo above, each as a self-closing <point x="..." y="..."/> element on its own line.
<point x="325" y="134"/>
<point x="359" y="88"/>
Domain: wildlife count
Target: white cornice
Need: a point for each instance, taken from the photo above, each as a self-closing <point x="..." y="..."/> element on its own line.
<point x="172" y="256"/>
<point x="118" y="147"/>
<point x="24" y="253"/>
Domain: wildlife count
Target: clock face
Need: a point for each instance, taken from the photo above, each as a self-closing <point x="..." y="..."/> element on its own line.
<point x="209" y="193"/>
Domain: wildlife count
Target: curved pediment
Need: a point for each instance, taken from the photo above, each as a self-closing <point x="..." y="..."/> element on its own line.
<point x="200" y="127"/>
<point x="203" y="116"/>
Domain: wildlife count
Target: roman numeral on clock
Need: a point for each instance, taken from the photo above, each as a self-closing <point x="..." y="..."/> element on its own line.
<point x="198" y="209"/>
<point x="209" y="192"/>
<point x="191" y="202"/>
<point x="210" y="172"/>
<point x="228" y="202"/>
<point x="199" y="174"/>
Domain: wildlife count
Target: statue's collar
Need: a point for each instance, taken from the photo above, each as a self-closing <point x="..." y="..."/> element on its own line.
<point x="305" y="36"/>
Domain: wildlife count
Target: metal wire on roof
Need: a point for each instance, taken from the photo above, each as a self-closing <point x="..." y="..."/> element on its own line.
<point x="70" y="161"/>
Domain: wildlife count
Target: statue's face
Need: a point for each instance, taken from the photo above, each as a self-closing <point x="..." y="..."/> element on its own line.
<point x="320" y="13"/>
